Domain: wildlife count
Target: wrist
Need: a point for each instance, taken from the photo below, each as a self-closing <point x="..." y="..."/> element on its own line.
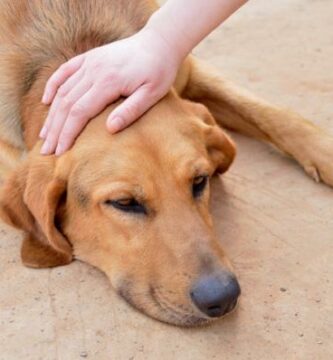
<point x="165" y="32"/>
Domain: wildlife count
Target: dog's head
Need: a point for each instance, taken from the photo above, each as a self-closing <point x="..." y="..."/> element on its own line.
<point x="135" y="205"/>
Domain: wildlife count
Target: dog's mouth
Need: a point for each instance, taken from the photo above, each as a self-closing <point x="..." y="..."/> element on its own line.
<point x="178" y="314"/>
<point x="158" y="304"/>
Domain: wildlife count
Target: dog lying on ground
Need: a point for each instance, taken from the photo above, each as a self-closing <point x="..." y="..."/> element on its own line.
<point x="135" y="204"/>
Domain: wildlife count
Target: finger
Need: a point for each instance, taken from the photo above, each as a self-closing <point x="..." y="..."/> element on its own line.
<point x="131" y="109"/>
<point x="48" y="122"/>
<point x="58" y="122"/>
<point x="60" y="76"/>
<point x="59" y="100"/>
<point x="88" y="106"/>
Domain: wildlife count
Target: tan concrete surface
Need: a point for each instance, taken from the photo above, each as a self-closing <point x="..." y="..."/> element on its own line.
<point x="274" y="221"/>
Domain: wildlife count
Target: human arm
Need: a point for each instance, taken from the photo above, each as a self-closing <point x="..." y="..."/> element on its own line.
<point x="83" y="86"/>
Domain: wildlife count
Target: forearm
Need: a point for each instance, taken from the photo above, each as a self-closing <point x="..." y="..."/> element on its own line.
<point x="183" y="23"/>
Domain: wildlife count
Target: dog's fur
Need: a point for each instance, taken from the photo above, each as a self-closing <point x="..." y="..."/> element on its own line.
<point x="63" y="204"/>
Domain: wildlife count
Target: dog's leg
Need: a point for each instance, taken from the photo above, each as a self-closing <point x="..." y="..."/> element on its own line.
<point x="240" y="111"/>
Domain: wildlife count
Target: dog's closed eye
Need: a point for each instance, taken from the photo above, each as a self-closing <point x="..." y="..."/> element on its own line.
<point x="127" y="205"/>
<point x="199" y="185"/>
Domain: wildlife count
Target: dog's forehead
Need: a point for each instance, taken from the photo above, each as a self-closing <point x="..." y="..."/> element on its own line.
<point x="143" y="152"/>
<point x="164" y="140"/>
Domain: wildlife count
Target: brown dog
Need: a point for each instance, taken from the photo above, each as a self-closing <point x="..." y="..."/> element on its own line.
<point x="134" y="204"/>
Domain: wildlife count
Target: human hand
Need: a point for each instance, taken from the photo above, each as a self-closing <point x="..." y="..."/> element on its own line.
<point x="142" y="68"/>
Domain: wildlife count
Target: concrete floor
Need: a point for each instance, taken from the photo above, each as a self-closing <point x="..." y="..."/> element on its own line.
<point x="274" y="221"/>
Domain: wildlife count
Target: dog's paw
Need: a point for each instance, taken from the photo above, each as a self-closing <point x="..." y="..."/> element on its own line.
<point x="317" y="157"/>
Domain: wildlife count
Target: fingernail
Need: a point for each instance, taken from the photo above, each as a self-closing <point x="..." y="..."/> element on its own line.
<point x="45" y="98"/>
<point x="43" y="132"/>
<point x="114" y="124"/>
<point x="59" y="150"/>
<point x="45" y="150"/>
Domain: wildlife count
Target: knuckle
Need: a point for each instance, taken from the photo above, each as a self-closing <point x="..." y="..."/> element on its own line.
<point x="67" y="66"/>
<point x="96" y="67"/>
<point x="66" y="102"/>
<point x="62" y="70"/>
<point x="152" y="92"/>
<point x="110" y="78"/>
<point x="62" y="91"/>
<point x="63" y="66"/>
<point x="132" y="111"/>
<point x="66" y="137"/>
<point x="78" y="110"/>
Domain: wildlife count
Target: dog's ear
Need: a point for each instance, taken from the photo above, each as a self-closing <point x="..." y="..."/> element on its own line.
<point x="221" y="149"/>
<point x="29" y="201"/>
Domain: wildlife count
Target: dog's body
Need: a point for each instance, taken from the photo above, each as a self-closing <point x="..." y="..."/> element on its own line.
<point x="122" y="203"/>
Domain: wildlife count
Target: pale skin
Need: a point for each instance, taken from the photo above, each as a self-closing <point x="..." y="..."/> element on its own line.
<point x="82" y="87"/>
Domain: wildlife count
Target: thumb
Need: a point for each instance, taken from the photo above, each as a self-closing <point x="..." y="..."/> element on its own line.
<point x="131" y="109"/>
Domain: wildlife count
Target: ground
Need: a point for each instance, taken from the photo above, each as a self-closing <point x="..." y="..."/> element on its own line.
<point x="274" y="221"/>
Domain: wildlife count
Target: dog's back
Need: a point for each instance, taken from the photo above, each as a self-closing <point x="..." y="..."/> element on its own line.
<point x="36" y="34"/>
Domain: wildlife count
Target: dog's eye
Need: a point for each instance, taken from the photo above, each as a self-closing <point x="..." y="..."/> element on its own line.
<point x="127" y="205"/>
<point x="199" y="184"/>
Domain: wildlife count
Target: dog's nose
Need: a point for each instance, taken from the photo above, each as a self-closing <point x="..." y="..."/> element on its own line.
<point x="216" y="295"/>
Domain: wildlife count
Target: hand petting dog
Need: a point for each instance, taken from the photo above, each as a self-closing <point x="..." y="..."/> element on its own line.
<point x="141" y="68"/>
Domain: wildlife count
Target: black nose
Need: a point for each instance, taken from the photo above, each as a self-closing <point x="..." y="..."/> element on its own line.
<point x="216" y="295"/>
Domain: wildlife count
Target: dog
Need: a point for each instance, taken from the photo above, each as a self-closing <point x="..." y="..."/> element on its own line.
<point x="135" y="204"/>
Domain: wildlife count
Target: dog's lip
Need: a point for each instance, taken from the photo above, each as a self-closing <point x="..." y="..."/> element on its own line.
<point x="188" y="320"/>
<point x="178" y="316"/>
<point x="164" y="312"/>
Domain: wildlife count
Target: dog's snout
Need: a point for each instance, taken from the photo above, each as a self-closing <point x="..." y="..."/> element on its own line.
<point x="216" y="295"/>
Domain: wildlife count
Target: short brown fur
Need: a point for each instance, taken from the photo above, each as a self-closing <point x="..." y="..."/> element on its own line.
<point x="62" y="205"/>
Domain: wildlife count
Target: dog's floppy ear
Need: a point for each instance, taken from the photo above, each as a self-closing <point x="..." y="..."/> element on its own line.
<point x="29" y="201"/>
<point x="221" y="149"/>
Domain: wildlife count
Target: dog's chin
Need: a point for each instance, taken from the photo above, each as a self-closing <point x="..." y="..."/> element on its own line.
<point x="151" y="302"/>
